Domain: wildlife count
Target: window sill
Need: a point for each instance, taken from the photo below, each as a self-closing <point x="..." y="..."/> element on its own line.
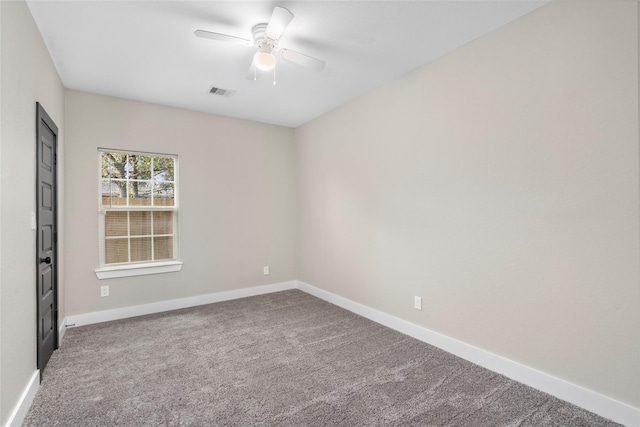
<point x="138" y="269"/>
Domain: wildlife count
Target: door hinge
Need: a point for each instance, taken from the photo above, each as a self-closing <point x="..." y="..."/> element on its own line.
<point x="55" y="314"/>
<point x="55" y="159"/>
<point x="55" y="237"/>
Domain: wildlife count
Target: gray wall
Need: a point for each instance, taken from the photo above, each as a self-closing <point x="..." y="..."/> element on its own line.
<point x="237" y="199"/>
<point x="27" y="75"/>
<point x="500" y="183"/>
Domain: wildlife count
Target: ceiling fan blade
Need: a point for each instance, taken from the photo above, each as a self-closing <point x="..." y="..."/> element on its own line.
<point x="301" y="59"/>
<point x="222" y="37"/>
<point x="280" y="18"/>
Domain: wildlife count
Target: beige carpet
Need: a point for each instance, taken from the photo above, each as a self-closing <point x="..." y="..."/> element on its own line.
<point x="282" y="359"/>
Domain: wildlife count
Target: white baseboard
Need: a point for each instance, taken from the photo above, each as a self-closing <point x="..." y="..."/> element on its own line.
<point x="24" y="403"/>
<point x="577" y="395"/>
<point x="158" y="307"/>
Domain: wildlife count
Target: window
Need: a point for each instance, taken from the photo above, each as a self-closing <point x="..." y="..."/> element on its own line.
<point x="138" y="210"/>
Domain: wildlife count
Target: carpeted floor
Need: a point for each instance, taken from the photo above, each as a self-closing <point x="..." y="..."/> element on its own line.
<point x="282" y="359"/>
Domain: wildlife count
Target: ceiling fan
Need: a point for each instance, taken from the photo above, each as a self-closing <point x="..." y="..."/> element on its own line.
<point x="266" y="38"/>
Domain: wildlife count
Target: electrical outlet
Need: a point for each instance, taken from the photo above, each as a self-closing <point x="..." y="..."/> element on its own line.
<point x="417" y="303"/>
<point x="104" y="291"/>
<point x="266" y="270"/>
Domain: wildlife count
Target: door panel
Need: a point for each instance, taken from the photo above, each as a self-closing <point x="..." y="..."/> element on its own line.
<point x="46" y="260"/>
<point x="47" y="238"/>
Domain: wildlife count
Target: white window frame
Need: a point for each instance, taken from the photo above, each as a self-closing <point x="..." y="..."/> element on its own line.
<point x="126" y="269"/>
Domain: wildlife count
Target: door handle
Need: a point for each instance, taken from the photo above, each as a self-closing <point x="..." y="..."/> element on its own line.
<point x="46" y="260"/>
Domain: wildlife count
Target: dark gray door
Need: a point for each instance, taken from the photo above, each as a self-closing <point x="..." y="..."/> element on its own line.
<point x="46" y="260"/>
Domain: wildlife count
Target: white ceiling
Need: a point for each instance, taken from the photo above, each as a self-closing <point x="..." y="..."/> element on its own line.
<point x="146" y="50"/>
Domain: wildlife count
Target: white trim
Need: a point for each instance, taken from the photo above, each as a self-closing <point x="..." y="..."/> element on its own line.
<point x="62" y="328"/>
<point x="24" y="403"/>
<point x="157" y="307"/>
<point x="138" y="269"/>
<point x="590" y="400"/>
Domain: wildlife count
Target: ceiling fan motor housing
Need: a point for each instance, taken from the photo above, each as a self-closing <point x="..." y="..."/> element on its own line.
<point x="261" y="40"/>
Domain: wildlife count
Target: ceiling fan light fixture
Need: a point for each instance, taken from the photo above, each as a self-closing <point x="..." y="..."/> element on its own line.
<point x="265" y="61"/>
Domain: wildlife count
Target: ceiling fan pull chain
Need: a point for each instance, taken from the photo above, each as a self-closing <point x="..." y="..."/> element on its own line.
<point x="274" y="75"/>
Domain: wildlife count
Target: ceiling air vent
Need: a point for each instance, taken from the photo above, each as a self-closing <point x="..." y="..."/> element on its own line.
<point x="227" y="93"/>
